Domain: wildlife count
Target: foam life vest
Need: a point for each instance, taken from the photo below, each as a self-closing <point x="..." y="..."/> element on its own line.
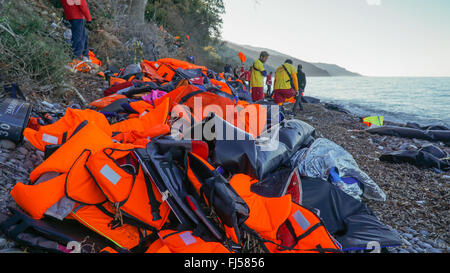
<point x="89" y="137"/>
<point x="37" y="199"/>
<point x="158" y="115"/>
<point x="231" y="209"/>
<point x="186" y="242"/>
<point x="286" y="77"/>
<point x="144" y="137"/>
<point x="118" y="175"/>
<point x="175" y="63"/>
<point x="222" y="86"/>
<point x="94" y="59"/>
<point x="149" y="70"/>
<point x="114" y="170"/>
<point x="257" y="78"/>
<point x="58" y="132"/>
<point x="304" y="232"/>
<point x="105" y="101"/>
<point x="116" y="81"/>
<point x="125" y="236"/>
<point x="166" y="72"/>
<point x="284" y="225"/>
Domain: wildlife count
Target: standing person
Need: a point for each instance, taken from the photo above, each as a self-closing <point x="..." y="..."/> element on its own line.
<point x="77" y="13"/>
<point x="228" y="69"/>
<point x="301" y="88"/>
<point x="269" y="84"/>
<point x="286" y="83"/>
<point x="247" y="75"/>
<point x="257" y="77"/>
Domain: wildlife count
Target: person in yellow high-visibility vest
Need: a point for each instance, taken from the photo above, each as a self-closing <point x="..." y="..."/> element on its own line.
<point x="286" y="83"/>
<point x="258" y="72"/>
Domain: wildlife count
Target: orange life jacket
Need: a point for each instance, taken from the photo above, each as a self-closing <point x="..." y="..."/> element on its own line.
<point x="157" y="116"/>
<point x="105" y="101"/>
<point x="174" y="63"/>
<point x="304" y="232"/>
<point x="94" y="59"/>
<point x="37" y="199"/>
<point x="284" y="225"/>
<point x="223" y="86"/>
<point x="89" y="137"/>
<point x="141" y="106"/>
<point x="149" y="69"/>
<point x="199" y="169"/>
<point x="125" y="236"/>
<point x="114" y="178"/>
<point x="58" y="132"/>
<point x="115" y="80"/>
<point x="186" y="242"/>
<point x="166" y="72"/>
<point x="142" y="138"/>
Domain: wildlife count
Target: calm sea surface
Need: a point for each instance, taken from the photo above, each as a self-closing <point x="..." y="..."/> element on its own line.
<point x="422" y="100"/>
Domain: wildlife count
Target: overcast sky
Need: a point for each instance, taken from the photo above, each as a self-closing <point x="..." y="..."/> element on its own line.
<point x="371" y="37"/>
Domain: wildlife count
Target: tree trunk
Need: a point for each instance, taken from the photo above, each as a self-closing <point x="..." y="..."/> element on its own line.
<point x="137" y="11"/>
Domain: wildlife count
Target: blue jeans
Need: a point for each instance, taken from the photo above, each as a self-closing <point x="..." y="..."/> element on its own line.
<point x="80" y="43"/>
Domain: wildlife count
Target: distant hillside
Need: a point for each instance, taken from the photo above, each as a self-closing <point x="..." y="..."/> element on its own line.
<point x="277" y="58"/>
<point x="336" y="70"/>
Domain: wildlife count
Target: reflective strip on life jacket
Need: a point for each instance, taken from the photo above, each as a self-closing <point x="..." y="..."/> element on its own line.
<point x="114" y="179"/>
<point x="54" y="133"/>
<point x="186" y="242"/>
<point x="89" y="137"/>
<point x="304" y="232"/>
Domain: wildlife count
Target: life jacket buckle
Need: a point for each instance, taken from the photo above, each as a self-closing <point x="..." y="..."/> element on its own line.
<point x="165" y="195"/>
<point x="118" y="218"/>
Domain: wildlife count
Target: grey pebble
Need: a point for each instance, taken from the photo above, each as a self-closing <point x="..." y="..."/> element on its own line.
<point x="7" y="144"/>
<point x="433" y="250"/>
<point x="411" y="250"/>
<point x="424" y="245"/>
<point x="11" y="250"/>
<point x="439" y="243"/>
<point x="419" y="249"/>
<point x="424" y="232"/>
<point x="401" y="250"/>
<point x="408" y="236"/>
<point x="406" y="242"/>
<point x="22" y="150"/>
<point x="2" y="243"/>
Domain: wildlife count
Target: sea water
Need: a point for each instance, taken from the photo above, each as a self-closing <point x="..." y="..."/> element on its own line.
<point x="422" y="100"/>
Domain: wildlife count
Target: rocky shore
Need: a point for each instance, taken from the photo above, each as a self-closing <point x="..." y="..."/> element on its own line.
<point x="417" y="205"/>
<point x="418" y="200"/>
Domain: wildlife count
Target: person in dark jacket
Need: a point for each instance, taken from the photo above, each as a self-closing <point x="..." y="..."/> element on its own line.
<point x="301" y="76"/>
<point x="77" y="13"/>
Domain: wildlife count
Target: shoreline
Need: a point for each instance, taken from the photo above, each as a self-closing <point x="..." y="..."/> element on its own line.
<point x="417" y="204"/>
<point x="418" y="200"/>
<point x="387" y="121"/>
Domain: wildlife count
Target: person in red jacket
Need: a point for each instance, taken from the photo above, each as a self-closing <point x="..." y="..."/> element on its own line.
<point x="77" y="13"/>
